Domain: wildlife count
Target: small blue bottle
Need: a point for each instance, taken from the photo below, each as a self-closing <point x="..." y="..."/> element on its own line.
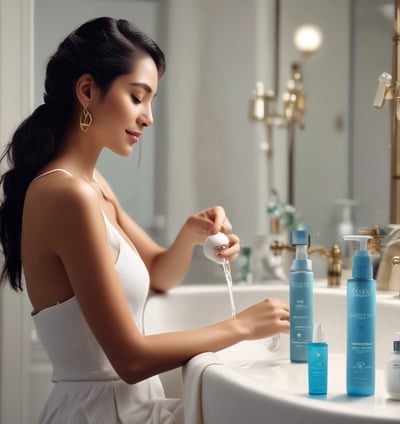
<point x="318" y="363"/>
<point x="361" y="323"/>
<point x="301" y="279"/>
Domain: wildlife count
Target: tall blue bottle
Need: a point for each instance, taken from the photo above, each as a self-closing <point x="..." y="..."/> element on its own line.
<point x="301" y="279"/>
<point x="361" y="323"/>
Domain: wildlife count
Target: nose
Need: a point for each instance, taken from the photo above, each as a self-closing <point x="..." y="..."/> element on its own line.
<point x="146" y="118"/>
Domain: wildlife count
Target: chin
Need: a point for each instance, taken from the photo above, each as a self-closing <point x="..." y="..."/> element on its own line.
<point x="125" y="152"/>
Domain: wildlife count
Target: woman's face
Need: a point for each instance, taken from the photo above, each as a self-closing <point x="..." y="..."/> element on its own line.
<point x="120" y="117"/>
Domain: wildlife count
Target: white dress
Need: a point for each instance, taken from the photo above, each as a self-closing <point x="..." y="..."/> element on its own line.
<point x="87" y="389"/>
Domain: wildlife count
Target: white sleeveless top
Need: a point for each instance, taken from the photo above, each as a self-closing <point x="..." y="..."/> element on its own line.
<point x="87" y="388"/>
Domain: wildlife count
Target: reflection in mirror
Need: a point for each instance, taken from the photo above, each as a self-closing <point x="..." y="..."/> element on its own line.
<point x="343" y="151"/>
<point x="205" y="151"/>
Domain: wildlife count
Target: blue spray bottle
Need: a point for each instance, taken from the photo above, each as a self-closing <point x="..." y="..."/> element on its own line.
<point x="301" y="279"/>
<point x="361" y="323"/>
<point x="318" y="363"/>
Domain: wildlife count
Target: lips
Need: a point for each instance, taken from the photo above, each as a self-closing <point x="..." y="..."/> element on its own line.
<point x="134" y="135"/>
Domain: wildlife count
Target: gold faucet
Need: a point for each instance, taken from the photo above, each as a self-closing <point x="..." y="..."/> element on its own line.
<point x="334" y="258"/>
<point x="374" y="244"/>
<point x="396" y="261"/>
<point x="393" y="282"/>
<point x="386" y="278"/>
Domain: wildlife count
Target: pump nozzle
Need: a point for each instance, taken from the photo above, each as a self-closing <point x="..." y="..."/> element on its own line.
<point x="362" y="268"/>
<point x="362" y="239"/>
<point x="301" y="241"/>
<point x="318" y="334"/>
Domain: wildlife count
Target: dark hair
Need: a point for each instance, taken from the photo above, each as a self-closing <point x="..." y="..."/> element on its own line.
<point x="105" y="48"/>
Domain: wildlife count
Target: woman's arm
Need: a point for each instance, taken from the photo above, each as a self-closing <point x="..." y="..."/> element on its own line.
<point x="168" y="267"/>
<point x="78" y="237"/>
<point x="166" y="351"/>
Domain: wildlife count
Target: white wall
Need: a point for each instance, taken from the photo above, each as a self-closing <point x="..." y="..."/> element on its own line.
<point x="214" y="51"/>
<point x="15" y="103"/>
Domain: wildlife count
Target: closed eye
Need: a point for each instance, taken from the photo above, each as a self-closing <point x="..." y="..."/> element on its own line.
<point x="136" y="100"/>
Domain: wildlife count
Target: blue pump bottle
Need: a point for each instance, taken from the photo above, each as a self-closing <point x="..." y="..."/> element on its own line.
<point x="301" y="279"/>
<point x="361" y="323"/>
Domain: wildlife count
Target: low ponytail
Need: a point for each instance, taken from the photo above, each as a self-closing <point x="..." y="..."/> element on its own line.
<point x="32" y="146"/>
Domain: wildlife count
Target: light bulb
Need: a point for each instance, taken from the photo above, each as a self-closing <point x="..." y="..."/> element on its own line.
<point x="308" y="39"/>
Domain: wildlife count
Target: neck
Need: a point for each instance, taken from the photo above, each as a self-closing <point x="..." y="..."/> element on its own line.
<point x="79" y="155"/>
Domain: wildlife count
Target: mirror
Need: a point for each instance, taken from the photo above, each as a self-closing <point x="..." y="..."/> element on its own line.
<point x="203" y="150"/>
<point x="344" y="151"/>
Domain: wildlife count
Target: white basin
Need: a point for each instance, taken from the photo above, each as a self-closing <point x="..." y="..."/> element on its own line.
<point x="278" y="390"/>
<point x="257" y="386"/>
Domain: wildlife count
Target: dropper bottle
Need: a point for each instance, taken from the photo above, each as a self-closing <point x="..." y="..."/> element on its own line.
<point x="361" y="322"/>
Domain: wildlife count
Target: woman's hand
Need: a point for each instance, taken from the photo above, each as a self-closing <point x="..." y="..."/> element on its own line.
<point x="168" y="267"/>
<point x="211" y="221"/>
<point x="264" y="319"/>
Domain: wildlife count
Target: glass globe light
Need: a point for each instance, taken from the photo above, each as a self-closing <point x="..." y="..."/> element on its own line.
<point x="308" y="39"/>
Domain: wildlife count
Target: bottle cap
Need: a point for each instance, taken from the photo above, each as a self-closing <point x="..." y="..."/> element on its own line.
<point x="212" y="244"/>
<point x="299" y="238"/>
<point x="318" y="334"/>
<point x="396" y="341"/>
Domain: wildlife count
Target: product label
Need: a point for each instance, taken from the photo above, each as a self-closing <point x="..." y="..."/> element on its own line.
<point x="363" y="292"/>
<point x="361" y="347"/>
<point x="361" y="337"/>
<point x="317" y="369"/>
<point x="301" y="316"/>
<point x="360" y="315"/>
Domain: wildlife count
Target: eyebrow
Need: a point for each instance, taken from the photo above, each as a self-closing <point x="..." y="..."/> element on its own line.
<point x="146" y="87"/>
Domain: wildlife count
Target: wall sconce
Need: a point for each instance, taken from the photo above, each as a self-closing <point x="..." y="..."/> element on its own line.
<point x="307" y="39"/>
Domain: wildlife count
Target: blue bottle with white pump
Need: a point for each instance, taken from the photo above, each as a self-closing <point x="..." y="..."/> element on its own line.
<point x="301" y="282"/>
<point x="361" y="323"/>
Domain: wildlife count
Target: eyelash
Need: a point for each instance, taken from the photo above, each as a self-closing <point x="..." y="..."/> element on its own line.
<point x="136" y="100"/>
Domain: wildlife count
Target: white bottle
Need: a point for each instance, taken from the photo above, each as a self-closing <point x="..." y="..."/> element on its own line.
<point x="215" y="244"/>
<point x="393" y="369"/>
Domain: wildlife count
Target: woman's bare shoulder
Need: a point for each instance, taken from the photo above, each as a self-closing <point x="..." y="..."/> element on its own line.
<point x="60" y="196"/>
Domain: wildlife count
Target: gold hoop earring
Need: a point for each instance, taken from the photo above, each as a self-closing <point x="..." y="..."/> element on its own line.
<point x="85" y="120"/>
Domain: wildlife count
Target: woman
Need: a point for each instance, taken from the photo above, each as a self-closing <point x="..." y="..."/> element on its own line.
<point x="87" y="265"/>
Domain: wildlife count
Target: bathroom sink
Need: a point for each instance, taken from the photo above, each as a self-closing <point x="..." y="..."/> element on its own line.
<point x="277" y="392"/>
<point x="256" y="385"/>
<point x="286" y="379"/>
